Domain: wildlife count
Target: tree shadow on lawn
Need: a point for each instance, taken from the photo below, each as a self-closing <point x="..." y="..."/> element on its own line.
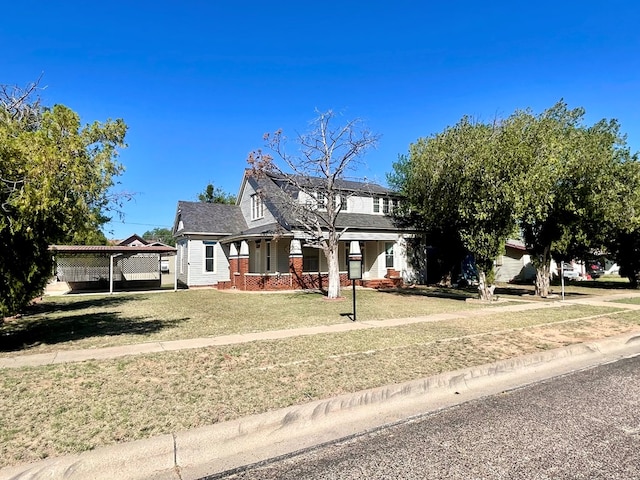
<point x="598" y="284"/>
<point x="433" y="292"/>
<point x="52" y="306"/>
<point x="526" y="291"/>
<point x="27" y="333"/>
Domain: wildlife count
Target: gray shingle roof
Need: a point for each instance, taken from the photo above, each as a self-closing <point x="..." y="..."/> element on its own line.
<point x="273" y="185"/>
<point x="214" y="218"/>
<point x="227" y="220"/>
<point x="365" y="221"/>
<point x="341" y="184"/>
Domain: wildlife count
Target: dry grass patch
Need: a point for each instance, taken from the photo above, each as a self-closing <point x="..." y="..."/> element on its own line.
<point x="53" y="410"/>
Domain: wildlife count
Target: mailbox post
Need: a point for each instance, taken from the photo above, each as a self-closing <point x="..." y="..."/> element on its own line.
<point x="355" y="270"/>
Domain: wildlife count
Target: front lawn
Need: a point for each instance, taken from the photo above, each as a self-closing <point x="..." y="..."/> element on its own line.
<point x="91" y="321"/>
<point x="58" y="409"/>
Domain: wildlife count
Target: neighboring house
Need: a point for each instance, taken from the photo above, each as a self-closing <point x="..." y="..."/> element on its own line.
<point x="134" y="240"/>
<point x="257" y="244"/>
<point x="515" y="264"/>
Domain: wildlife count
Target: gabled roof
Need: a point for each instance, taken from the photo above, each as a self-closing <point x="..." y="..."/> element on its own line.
<point x="313" y="183"/>
<point x="210" y="218"/>
<point x="273" y="185"/>
<point x="134" y="239"/>
<point x="110" y="249"/>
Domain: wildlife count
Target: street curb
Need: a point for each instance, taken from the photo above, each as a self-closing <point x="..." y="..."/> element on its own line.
<point x="231" y="445"/>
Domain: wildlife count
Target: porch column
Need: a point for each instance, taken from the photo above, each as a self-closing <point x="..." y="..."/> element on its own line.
<point x="233" y="264"/>
<point x="295" y="263"/>
<point x="243" y="263"/>
<point x="111" y="274"/>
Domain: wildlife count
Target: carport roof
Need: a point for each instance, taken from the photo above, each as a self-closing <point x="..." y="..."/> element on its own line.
<point x="110" y="249"/>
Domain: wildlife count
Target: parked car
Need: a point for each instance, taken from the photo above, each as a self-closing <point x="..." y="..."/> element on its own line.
<point x="596" y="270"/>
<point x="164" y="266"/>
<point x="569" y="272"/>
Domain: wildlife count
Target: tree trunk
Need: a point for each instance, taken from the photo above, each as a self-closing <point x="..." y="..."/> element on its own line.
<point x="543" y="279"/>
<point x="543" y="272"/>
<point x="485" y="290"/>
<point x="333" y="289"/>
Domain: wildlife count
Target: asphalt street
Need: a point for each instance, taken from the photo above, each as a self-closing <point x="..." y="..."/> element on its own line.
<point x="585" y="425"/>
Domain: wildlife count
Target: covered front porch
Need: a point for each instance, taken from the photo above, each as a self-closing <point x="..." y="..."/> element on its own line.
<point x="281" y="263"/>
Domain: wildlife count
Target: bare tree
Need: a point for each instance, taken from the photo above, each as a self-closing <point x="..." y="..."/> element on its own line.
<point x="311" y="184"/>
<point x="18" y="107"/>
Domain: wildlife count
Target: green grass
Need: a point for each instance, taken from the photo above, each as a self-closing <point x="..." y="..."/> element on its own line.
<point x="630" y="301"/>
<point x="72" y="322"/>
<point x="53" y="410"/>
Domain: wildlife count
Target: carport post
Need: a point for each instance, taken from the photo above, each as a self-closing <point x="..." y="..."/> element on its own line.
<point x="111" y="274"/>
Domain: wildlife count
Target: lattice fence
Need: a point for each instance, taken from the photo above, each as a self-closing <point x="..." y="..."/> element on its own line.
<point x="95" y="268"/>
<point x="140" y="267"/>
<point x="84" y="268"/>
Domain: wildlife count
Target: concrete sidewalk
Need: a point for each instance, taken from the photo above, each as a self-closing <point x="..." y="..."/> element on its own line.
<point x="80" y="355"/>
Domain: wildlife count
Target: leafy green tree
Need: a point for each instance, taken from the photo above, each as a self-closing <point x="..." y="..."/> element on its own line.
<point x="162" y="235"/>
<point x="213" y="194"/>
<point x="622" y="235"/>
<point x="55" y="178"/>
<point x="572" y="183"/>
<point x="460" y="192"/>
<point x="564" y="185"/>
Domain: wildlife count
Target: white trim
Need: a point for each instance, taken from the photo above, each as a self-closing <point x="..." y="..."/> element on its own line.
<point x="188" y="263"/>
<point x="205" y="245"/>
<point x="393" y="255"/>
<point x="257" y="207"/>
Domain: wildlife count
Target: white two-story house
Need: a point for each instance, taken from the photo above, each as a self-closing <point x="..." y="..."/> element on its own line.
<point x="257" y="244"/>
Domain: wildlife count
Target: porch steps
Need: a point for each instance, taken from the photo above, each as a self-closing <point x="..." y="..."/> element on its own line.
<point x="382" y="283"/>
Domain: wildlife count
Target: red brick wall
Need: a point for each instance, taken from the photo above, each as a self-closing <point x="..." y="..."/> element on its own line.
<point x="255" y="282"/>
<point x="295" y="269"/>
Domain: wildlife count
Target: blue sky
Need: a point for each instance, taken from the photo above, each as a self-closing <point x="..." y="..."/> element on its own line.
<point x="199" y="82"/>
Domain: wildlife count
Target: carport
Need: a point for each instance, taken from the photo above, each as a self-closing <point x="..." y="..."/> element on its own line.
<point x="98" y="267"/>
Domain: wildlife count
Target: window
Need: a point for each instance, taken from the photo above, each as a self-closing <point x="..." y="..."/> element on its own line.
<point x="311" y="259"/>
<point x="388" y="255"/>
<point x="388" y="204"/>
<point x="257" y="207"/>
<point x="268" y="255"/>
<point x="385" y="205"/>
<point x="209" y="255"/>
<point x="321" y="201"/>
<point x="342" y="199"/>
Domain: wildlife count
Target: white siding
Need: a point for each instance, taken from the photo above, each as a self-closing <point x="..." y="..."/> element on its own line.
<point x="360" y="204"/>
<point x="197" y="273"/>
<point x="355" y="203"/>
<point x="245" y="206"/>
